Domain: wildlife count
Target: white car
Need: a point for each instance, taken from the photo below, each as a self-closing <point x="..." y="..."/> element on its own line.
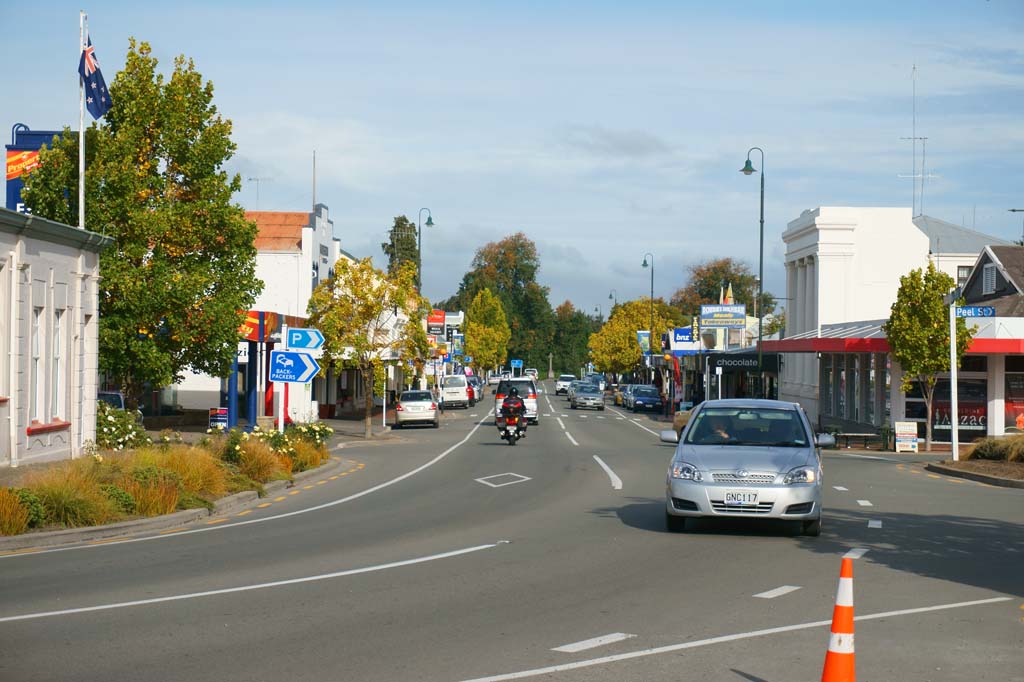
<point x="562" y="384"/>
<point x="532" y="373"/>
<point x="527" y="391"/>
<point x="455" y="391"/>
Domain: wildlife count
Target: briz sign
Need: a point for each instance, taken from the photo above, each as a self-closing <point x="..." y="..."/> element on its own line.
<point x="723" y="316"/>
<point x="292" y="367"/>
<point x="309" y="339"/>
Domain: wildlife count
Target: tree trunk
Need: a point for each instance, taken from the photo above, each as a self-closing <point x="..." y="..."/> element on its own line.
<point x="928" y="425"/>
<point x="368" y="401"/>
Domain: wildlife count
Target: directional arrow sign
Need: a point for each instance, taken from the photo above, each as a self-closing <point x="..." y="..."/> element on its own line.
<point x="292" y="367"/>
<point x="305" y="338"/>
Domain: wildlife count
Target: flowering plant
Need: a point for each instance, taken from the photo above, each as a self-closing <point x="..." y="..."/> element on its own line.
<point x="118" y="429"/>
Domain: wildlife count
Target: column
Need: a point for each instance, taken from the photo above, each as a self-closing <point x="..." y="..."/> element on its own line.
<point x="996" y="395"/>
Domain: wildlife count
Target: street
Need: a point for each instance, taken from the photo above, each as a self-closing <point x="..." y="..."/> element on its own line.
<point x="448" y="555"/>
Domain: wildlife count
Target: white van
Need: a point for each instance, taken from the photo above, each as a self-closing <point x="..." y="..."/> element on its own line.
<point x="454" y="391"/>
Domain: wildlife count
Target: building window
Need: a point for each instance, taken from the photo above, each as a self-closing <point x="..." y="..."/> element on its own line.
<point x="962" y="273"/>
<point x="37" y="403"/>
<point x="57" y="376"/>
<point x="988" y="279"/>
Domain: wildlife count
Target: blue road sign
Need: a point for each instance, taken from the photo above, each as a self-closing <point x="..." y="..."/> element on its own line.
<point x="516" y="364"/>
<point x="307" y="339"/>
<point x="975" y="311"/>
<point x="467" y="359"/>
<point x="292" y="367"/>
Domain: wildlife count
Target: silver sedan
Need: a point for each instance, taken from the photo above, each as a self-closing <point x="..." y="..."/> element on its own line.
<point x="587" y="396"/>
<point x="416" y="407"/>
<point x="746" y="459"/>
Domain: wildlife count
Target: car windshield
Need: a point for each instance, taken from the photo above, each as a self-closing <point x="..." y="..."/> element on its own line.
<point x="454" y="382"/>
<point x="524" y="387"/>
<point x="747" y="426"/>
<point x="416" y="396"/>
<point x="645" y="392"/>
<point x="567" y="377"/>
<point x="589" y="389"/>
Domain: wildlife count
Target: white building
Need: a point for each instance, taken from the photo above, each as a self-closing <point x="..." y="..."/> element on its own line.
<point x="49" y="349"/>
<point x="843" y="269"/>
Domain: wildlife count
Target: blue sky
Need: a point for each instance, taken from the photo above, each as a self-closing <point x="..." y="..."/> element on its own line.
<point x="603" y="130"/>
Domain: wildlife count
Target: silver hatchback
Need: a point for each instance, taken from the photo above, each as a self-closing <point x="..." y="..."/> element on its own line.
<point x="746" y="459"/>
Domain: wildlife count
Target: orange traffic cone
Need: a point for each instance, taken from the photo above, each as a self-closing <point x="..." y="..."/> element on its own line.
<point x="839" y="661"/>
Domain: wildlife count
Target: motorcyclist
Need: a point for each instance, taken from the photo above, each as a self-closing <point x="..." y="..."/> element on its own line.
<point x="514" y="405"/>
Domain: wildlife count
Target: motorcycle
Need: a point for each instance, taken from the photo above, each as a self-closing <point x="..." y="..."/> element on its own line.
<point x="512" y="427"/>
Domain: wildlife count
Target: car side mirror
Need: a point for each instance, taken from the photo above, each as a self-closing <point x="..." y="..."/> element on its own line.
<point x="669" y="436"/>
<point x="825" y="440"/>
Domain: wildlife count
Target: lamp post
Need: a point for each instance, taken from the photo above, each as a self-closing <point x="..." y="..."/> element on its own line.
<point x="747" y="169"/>
<point x="613" y="296"/>
<point x="419" y="247"/>
<point x="650" y="339"/>
<point x="1011" y="210"/>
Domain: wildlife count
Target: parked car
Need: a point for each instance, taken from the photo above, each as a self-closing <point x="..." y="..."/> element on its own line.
<point x="619" y="396"/>
<point x="493" y="378"/>
<point x="562" y="383"/>
<point x="752" y="459"/>
<point x="645" y="398"/>
<point x="628" y="398"/>
<point x="455" y="391"/>
<point x="527" y="391"/>
<point x="532" y="373"/>
<point x="416" y="407"/>
<point x="587" y="396"/>
<point x="116" y="399"/>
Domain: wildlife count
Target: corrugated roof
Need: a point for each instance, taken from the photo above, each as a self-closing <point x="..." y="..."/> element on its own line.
<point x="279" y="230"/>
<point x="946" y="237"/>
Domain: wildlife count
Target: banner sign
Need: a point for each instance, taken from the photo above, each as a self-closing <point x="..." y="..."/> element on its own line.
<point x="906" y="436"/>
<point x="22" y="157"/>
<point x="644" y="339"/>
<point x="683" y="342"/>
<point x="724" y="316"/>
<point x="435" y="323"/>
<point x="19" y="163"/>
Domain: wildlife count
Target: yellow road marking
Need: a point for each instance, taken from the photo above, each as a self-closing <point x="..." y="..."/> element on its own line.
<point x="280" y="499"/>
<point x="307" y="487"/>
<point x="27" y="550"/>
<point x="915" y="471"/>
<point x="103" y="542"/>
<point x="215" y="521"/>
<point x="344" y="473"/>
<point x="295" y="492"/>
<point x="247" y="511"/>
<point x="321" y="482"/>
<point x="334" y="478"/>
<point x="934" y="476"/>
<point x="263" y="506"/>
<point x="957" y="480"/>
<point x="171" y="530"/>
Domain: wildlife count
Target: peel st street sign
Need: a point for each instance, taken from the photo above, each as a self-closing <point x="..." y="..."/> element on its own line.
<point x="975" y="311"/>
<point x="292" y="367"/>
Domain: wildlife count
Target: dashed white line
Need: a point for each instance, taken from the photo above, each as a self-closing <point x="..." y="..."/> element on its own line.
<point x="635" y="421"/>
<point x="840" y="488"/>
<point x="874" y="524"/>
<point x="856" y="553"/>
<point x="603" y="640"/>
<point x="560" y="423"/>
<point x="865" y="503"/>
<point x="571" y="439"/>
<point x="777" y="592"/>
<point x="616" y="481"/>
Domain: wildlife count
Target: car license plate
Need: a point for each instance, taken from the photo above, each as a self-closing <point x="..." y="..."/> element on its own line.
<point x="510" y="428"/>
<point x="740" y="497"/>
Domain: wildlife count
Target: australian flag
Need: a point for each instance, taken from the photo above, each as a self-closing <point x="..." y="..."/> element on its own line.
<point x="97" y="99"/>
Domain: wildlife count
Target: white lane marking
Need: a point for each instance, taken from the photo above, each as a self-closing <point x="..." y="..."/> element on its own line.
<point x="874" y="524"/>
<point x="643" y="653"/>
<point x="634" y="421"/>
<point x="562" y="424"/>
<point x="778" y="592"/>
<point x="855" y="553"/>
<point x="476" y="415"/>
<point x="865" y="503"/>
<point x="616" y="481"/>
<point x="881" y="459"/>
<point x="840" y="488"/>
<point x="516" y="478"/>
<point x="265" y="519"/>
<point x="584" y="416"/>
<point x="248" y="588"/>
<point x="593" y="643"/>
<point x="573" y="440"/>
<point x="565" y="415"/>
<point x="600" y="417"/>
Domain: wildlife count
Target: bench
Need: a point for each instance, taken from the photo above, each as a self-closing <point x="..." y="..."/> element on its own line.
<point x="864" y="438"/>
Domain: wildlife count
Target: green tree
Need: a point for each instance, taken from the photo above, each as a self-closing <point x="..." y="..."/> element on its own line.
<point x="487" y="332"/>
<point x="707" y="280"/>
<point x="401" y="246"/>
<point x="918" y="333"/>
<point x="509" y="269"/>
<point x="360" y="314"/>
<point x="614" y="348"/>
<point x="182" y="272"/>
<point x="573" y="328"/>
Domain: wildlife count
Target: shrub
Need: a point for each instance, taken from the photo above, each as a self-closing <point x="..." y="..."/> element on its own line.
<point x="316" y="433"/>
<point x="170" y="437"/>
<point x="189" y="500"/>
<point x="31" y="502"/>
<point x="155" y="490"/>
<point x="306" y="455"/>
<point x="238" y="483"/>
<point x="1015" y="449"/>
<point x="121" y="499"/>
<point x="118" y="429"/>
<point x="71" y="497"/>
<point x="13" y="514"/>
<point x="989" y="448"/>
<point x="259" y="462"/>
<point x="199" y="471"/>
<point x="231" y="448"/>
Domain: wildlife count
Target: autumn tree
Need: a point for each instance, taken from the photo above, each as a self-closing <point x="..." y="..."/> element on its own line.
<point x="487" y="332"/>
<point x="509" y="269"/>
<point x="181" y="273"/>
<point x="706" y="281"/>
<point x="402" y="244"/>
<point x="918" y="334"/>
<point x="369" y="318"/>
<point x="614" y="348"/>
<point x="573" y="328"/>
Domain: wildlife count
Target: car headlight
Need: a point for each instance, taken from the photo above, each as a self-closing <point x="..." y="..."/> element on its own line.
<point x="685" y="471"/>
<point x="803" y="474"/>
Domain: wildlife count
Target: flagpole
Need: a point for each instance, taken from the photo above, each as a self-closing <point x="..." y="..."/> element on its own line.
<point x="81" y="126"/>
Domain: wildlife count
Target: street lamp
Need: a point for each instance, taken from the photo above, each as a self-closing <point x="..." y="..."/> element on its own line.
<point x="613" y="297"/>
<point x="1011" y="210"/>
<point x="419" y="247"/>
<point x="650" y="339"/>
<point x="747" y="169"/>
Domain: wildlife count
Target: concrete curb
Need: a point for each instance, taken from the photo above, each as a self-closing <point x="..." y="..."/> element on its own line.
<point x="972" y="476"/>
<point x="225" y="505"/>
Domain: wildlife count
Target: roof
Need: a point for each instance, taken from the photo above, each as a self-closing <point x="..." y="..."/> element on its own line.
<point x="279" y="230"/>
<point x="52" y="231"/>
<point x="946" y="237"/>
<point x="1010" y="261"/>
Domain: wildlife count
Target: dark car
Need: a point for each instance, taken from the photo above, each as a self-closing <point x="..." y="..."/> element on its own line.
<point x="646" y="398"/>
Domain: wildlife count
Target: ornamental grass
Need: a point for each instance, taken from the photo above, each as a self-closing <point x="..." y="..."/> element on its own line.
<point x="71" y="496"/>
<point x="258" y="461"/>
<point x="200" y="472"/>
<point x="13" y="514"/>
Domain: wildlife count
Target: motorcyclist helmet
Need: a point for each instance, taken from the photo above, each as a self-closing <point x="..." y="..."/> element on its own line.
<point x="513" y="392"/>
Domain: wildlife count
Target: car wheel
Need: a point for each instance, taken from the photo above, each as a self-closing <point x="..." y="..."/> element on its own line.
<point x="675" y="524"/>
<point x="397" y="425"/>
<point x="601" y="408"/>
<point x="572" y="406"/>
<point x="812" y="528"/>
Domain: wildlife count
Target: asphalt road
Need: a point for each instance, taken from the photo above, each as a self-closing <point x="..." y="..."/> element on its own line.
<point x="448" y="555"/>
